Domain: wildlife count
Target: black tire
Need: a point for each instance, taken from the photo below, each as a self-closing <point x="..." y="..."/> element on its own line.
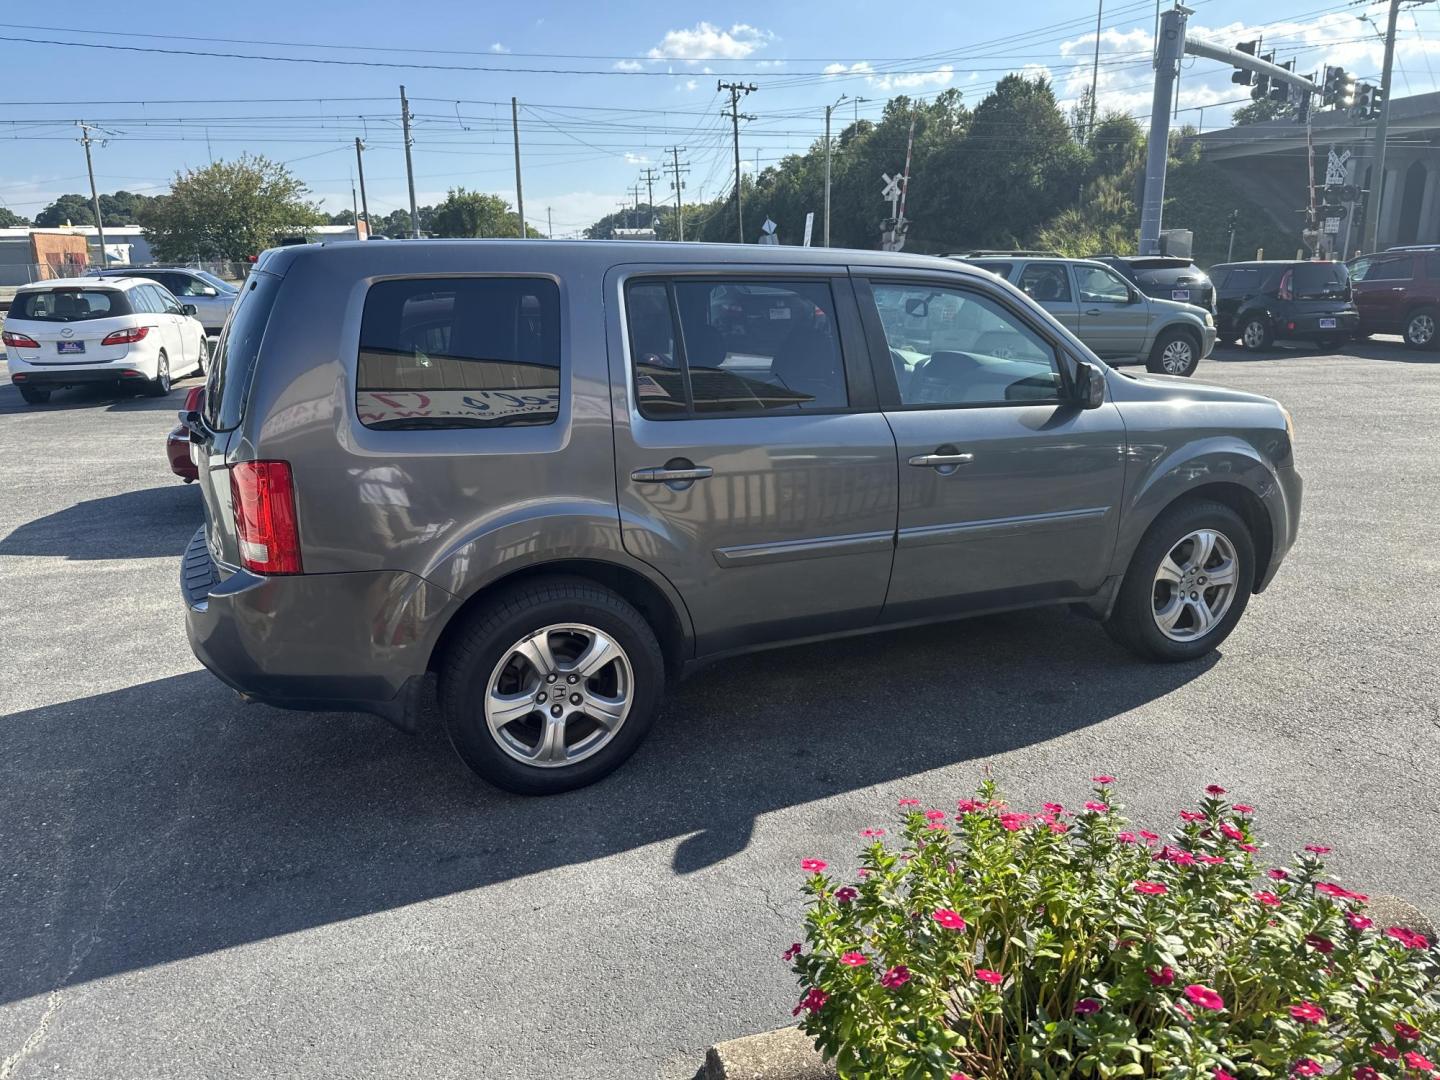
<point x="1173" y="340"/>
<point x="479" y="647"/>
<point x="1261" y="339"/>
<point x="204" y="363"/>
<point x="33" y="395"/>
<point x="1133" y="624"/>
<point x="1421" y="329"/>
<point x="160" y="385"/>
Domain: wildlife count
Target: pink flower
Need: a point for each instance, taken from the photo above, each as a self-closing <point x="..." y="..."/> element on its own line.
<point x="1221" y="1074"/>
<point x="813" y="866"/>
<point x="1176" y="856"/>
<point x="1191" y="815"/>
<point x="985" y="975"/>
<point x="1419" y="1062"/>
<point x="813" y="1001"/>
<point x="1331" y="889"/>
<point x="1241" y="808"/>
<point x="1125" y="837"/>
<point x="1269" y="899"/>
<point x="1150" y="888"/>
<point x="1014" y="822"/>
<point x="1183" y="1011"/>
<point x="1212" y="860"/>
<point x="896" y="977"/>
<point x="950" y="920"/>
<point x="1230" y="832"/>
<point x="1087" y="1006"/>
<point x="1215" y="789"/>
<point x="971" y="806"/>
<point x="845" y="895"/>
<point x="1365" y="1072"/>
<point x="1248" y="848"/>
<point x="869" y="834"/>
<point x="1204" y="997"/>
<point x="1386" y="1051"/>
<point x="1317" y="849"/>
<point x="934" y="815"/>
<point x="1149" y="837"/>
<point x="1358" y="921"/>
<point x="1320" y="944"/>
<point x="1054" y="808"/>
<point x="937" y="826"/>
<point x="909" y="802"/>
<point x="1306" y="1067"/>
<point x="1307" y="1012"/>
<point x="959" y="1076"/>
<point x="1409" y="938"/>
<point x="1059" y="827"/>
<point x="1405" y="1031"/>
<point x="854" y="959"/>
<point x="864" y="871"/>
<point x="792" y="952"/>
<point x="1278" y="874"/>
<point x="1097" y="807"/>
<point x="1103" y="779"/>
<point x="1162" y="976"/>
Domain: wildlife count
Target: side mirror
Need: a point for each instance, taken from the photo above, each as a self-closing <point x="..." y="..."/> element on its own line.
<point x="1133" y="296"/>
<point x="187" y="309"/>
<point x="1089" y="385"/>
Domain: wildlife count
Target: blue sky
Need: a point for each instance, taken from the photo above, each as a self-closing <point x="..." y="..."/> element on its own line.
<point x="585" y="137"/>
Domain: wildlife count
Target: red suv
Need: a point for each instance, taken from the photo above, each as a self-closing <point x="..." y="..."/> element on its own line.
<point x="1398" y="292"/>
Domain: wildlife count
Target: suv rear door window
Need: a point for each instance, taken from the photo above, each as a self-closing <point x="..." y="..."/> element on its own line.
<point x="1242" y="279"/>
<point x="1314" y="281"/>
<point x="743" y="347"/>
<point x="69" y="305"/>
<point x="459" y="352"/>
<point x="1046" y="282"/>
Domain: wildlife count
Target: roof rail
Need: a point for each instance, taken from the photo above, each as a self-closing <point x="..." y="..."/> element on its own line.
<point x="995" y="252"/>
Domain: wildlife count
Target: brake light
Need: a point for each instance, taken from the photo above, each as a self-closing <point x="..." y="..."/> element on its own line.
<point x="1286" y="280"/>
<point x="19" y="341"/>
<point x="262" y="495"/>
<point x="126" y="337"/>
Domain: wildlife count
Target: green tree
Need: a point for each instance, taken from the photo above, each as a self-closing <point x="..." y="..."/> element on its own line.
<point x="72" y="208"/>
<point x="11" y="220"/>
<point x="1259" y="111"/>
<point x="344" y="217"/>
<point x="122" y="208"/>
<point x="228" y="210"/>
<point x="475" y="213"/>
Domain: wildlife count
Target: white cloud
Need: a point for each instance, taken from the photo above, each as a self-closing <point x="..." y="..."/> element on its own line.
<point x="632" y="158"/>
<point x="769" y="63"/>
<point x="629" y="65"/>
<point x="499" y="48"/>
<point x="907" y="80"/>
<point x="689" y="85"/>
<point x="706" y="40"/>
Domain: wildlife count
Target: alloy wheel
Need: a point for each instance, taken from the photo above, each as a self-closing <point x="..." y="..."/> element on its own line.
<point x="1421" y="330"/>
<point x="1254" y="334"/>
<point x="1177" y="356"/>
<point x="1195" y="585"/>
<point x="559" y="695"/>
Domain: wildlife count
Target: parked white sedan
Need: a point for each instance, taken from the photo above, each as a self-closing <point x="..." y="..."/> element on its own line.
<point x="83" y="330"/>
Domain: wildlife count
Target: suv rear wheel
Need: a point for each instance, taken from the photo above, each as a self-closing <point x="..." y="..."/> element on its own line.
<point x="1256" y="334"/>
<point x="552" y="686"/>
<point x="33" y="395"/>
<point x="1188" y="583"/>
<point x="1176" y="352"/>
<point x="1420" y="329"/>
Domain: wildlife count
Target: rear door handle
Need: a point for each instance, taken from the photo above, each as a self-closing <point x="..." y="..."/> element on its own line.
<point x="940" y="461"/>
<point x="660" y="474"/>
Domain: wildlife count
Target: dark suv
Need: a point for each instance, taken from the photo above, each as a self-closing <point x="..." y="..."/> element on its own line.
<point x="1398" y="292"/>
<point x="1165" y="276"/>
<point x="1259" y="303"/>
<point x="545" y="478"/>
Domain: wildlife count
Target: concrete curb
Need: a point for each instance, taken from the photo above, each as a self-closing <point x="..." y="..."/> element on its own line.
<point x="785" y="1054"/>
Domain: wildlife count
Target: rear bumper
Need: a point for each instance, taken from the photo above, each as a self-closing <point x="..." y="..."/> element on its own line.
<point x="1308" y="328"/>
<point x="355" y="642"/>
<point x="40" y="376"/>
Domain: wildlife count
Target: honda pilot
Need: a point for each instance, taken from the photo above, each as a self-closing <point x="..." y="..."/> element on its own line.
<point x="542" y="480"/>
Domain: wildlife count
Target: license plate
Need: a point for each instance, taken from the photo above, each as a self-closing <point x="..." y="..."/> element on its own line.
<point x="1327" y="324"/>
<point x="70" y="346"/>
<point x="1179" y="294"/>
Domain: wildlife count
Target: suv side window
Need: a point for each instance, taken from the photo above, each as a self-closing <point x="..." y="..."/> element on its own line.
<point x="1046" y="282"/>
<point x="144" y="299"/>
<point x="1100" y="285"/>
<point x="734" y="346"/>
<point x="1005" y="362"/>
<point x="459" y="352"/>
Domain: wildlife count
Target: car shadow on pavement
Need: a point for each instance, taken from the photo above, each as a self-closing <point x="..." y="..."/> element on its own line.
<point x="142" y="524"/>
<point x="1391" y="351"/>
<point x="167" y="820"/>
<point x="98" y="396"/>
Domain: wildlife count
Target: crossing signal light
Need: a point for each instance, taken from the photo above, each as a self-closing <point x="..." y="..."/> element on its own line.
<point x="1244" y="76"/>
<point x="1339" y="89"/>
<point x="1280" y="91"/>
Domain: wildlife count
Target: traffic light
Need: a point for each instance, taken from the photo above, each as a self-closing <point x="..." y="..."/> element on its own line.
<point x="1244" y="76"/>
<point x="1360" y="108"/>
<point x="1377" y="103"/>
<point x="1280" y="91"/>
<point x="1339" y="90"/>
<point x="1260" y="89"/>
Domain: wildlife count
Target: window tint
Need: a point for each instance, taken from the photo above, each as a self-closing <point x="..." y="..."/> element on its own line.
<point x="1380" y="269"/>
<point x="1000" y="268"/>
<point x="1320" y="279"/>
<point x="956" y="347"/>
<point x="459" y="352"/>
<point x="1046" y="282"/>
<point x="166" y="300"/>
<point x="1100" y="285"/>
<point x="69" y="305"/>
<point x="178" y="284"/>
<point x="1243" y="279"/>
<point x="143" y="300"/>
<point x="742" y="347"/>
<point x="237" y="352"/>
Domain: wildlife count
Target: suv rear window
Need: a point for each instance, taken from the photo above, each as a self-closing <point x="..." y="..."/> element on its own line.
<point x="459" y="352"/>
<point x="69" y="305"/>
<point x="1242" y="279"/>
<point x="1320" y="280"/>
<point x="237" y="352"/>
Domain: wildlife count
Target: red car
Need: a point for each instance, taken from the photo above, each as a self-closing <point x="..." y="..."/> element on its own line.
<point x="1398" y="292"/>
<point x="177" y="443"/>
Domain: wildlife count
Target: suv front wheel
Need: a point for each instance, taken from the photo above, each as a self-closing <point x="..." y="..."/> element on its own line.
<point x="1176" y="352"/>
<point x="1420" y="329"/>
<point x="551" y="686"/>
<point x="1256" y="334"/>
<point x="1187" y="585"/>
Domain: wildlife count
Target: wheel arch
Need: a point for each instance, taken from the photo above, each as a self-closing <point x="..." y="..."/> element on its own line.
<point x="1246" y="503"/>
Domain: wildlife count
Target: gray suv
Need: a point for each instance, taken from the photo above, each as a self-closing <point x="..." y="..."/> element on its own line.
<point x="1110" y="314"/>
<point x="543" y="479"/>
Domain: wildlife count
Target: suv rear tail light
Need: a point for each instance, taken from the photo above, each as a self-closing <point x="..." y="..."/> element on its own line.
<point x="263" y="497"/>
<point x="19" y="341"/>
<point x="126" y="337"/>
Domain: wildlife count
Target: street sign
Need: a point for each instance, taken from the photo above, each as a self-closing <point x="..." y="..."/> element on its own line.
<point x="1332" y="226"/>
<point x="1335" y="167"/>
<point x="891" y="190"/>
<point x="809" y="227"/>
<point x="767" y="232"/>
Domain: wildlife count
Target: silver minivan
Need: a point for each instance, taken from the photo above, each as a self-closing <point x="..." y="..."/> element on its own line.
<point x="543" y="479"/>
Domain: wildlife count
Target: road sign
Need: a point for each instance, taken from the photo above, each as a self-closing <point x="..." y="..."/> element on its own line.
<point x="809" y="226"/>
<point x="1332" y="226"/>
<point x="891" y="190"/>
<point x="1335" y="167"/>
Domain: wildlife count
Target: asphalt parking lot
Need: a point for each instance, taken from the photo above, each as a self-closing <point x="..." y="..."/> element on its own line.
<point x="194" y="887"/>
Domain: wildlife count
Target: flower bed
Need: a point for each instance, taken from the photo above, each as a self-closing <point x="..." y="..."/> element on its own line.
<point x="997" y="944"/>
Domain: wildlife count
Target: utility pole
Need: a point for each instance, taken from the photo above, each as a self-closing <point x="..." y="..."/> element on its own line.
<point x="409" y="165"/>
<point x="519" y="192"/>
<point x="94" y="197"/>
<point x="364" y="202"/>
<point x="828" y="110"/>
<point x="649" y="177"/>
<point x="737" y="90"/>
<point x="1095" y="70"/>
<point x="1370" y="234"/>
<point x="635" y="193"/>
<point x="1167" y="68"/>
<point x="1234" y="220"/>
<point x="676" y="171"/>
<point x="549" y="225"/>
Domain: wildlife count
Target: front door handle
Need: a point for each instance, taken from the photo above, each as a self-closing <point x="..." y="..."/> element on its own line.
<point x="664" y="474"/>
<point x="1093" y="311"/>
<point x="940" y="461"/>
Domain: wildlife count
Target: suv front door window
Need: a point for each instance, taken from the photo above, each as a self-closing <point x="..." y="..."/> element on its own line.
<point x="1114" y="319"/>
<point x="1048" y="284"/>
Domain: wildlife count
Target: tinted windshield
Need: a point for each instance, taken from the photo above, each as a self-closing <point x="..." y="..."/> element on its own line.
<point x="69" y="305"/>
